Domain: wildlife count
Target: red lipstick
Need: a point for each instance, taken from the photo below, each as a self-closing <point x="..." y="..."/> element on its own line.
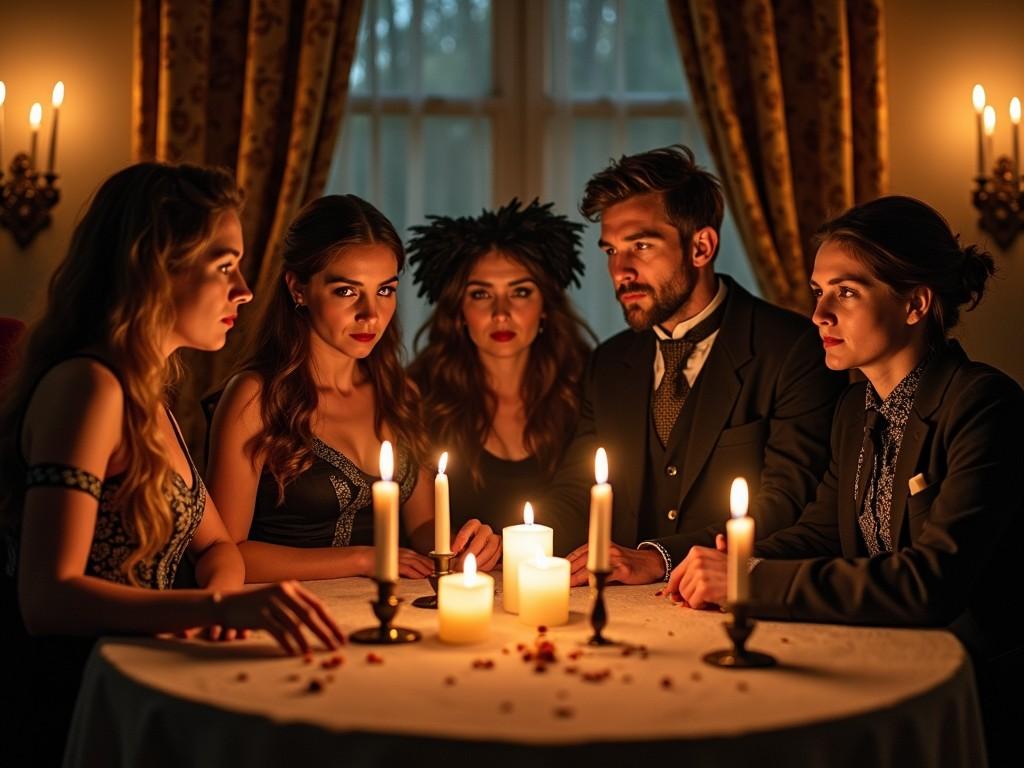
<point x="363" y="338"/>
<point x="503" y="336"/>
<point x="229" y="321"/>
<point x="830" y="341"/>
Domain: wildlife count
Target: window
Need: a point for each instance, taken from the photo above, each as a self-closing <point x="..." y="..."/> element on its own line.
<point x="458" y="105"/>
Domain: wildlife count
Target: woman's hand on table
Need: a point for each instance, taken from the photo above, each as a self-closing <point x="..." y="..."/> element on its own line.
<point x="480" y="540"/>
<point x="413" y="565"/>
<point x="700" y="580"/>
<point x="283" y="610"/>
<point x="628" y="566"/>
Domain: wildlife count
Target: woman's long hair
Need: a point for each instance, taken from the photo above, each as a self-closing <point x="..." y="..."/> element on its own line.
<point x="113" y="291"/>
<point x="458" y="403"/>
<point x="279" y="352"/>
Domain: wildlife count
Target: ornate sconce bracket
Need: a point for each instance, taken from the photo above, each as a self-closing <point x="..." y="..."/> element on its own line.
<point x="999" y="200"/>
<point x="26" y="199"/>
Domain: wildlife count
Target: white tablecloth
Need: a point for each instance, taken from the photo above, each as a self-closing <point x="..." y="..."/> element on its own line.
<point x="840" y="696"/>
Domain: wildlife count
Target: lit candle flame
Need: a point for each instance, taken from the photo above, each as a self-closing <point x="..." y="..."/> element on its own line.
<point x="990" y="120"/>
<point x="35" y="115"/>
<point x="528" y="513"/>
<point x="3" y="92"/>
<point x="58" y="93"/>
<point x="443" y="463"/>
<point x="978" y="97"/>
<point x="469" y="570"/>
<point x="387" y="461"/>
<point x="1015" y="110"/>
<point x="738" y="498"/>
<point x="601" y="466"/>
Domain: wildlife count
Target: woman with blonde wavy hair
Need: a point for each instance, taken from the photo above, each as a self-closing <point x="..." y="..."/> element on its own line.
<point x="296" y="436"/>
<point x="100" y="498"/>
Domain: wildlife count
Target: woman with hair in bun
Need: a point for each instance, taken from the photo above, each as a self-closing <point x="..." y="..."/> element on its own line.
<point x="505" y="353"/>
<point x="917" y="518"/>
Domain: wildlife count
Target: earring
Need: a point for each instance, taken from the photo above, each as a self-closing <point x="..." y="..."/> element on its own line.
<point x="540" y="330"/>
<point x="298" y="303"/>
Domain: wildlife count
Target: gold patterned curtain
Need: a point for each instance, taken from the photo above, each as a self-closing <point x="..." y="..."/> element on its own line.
<point x="792" y="97"/>
<point x="257" y="86"/>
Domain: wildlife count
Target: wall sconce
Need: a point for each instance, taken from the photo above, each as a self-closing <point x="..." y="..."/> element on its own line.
<point x="998" y="196"/>
<point x="27" y="197"/>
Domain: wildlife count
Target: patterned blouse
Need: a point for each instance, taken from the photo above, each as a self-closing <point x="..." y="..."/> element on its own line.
<point x="874" y="518"/>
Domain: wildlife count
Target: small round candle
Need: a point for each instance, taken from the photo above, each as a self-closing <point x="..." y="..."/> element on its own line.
<point x="465" y="602"/>
<point x="544" y="591"/>
<point x="518" y="543"/>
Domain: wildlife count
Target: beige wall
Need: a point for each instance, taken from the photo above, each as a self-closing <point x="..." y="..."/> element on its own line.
<point x="88" y="45"/>
<point x="937" y="51"/>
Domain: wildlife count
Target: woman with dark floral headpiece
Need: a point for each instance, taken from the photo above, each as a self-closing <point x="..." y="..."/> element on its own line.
<point x="500" y="373"/>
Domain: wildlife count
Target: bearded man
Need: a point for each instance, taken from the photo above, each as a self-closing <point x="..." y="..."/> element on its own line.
<point x="709" y="383"/>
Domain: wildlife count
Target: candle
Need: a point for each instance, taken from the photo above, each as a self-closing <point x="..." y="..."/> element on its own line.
<point x="978" y="97"/>
<point x="442" y="509"/>
<point x="57" y="100"/>
<point x="989" y="118"/>
<point x="1015" y="120"/>
<point x="385" y="518"/>
<point x="35" y="116"/>
<point x="519" y="543"/>
<point x="600" y="515"/>
<point x="464" y="603"/>
<point x="3" y="98"/>
<point x="740" y="534"/>
<point x="544" y="591"/>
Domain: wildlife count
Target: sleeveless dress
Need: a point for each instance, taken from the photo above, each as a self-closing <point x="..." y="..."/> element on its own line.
<point x="506" y="486"/>
<point x="328" y="505"/>
<point x="49" y="669"/>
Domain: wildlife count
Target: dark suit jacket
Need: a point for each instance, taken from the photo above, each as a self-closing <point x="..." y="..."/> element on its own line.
<point x="957" y="542"/>
<point x="762" y="406"/>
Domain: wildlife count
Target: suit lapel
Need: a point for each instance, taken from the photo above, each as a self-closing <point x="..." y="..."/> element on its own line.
<point x="630" y="394"/>
<point x="730" y="351"/>
<point x="848" y="507"/>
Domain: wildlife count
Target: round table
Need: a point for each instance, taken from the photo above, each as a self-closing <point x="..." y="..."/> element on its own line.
<point x="839" y="696"/>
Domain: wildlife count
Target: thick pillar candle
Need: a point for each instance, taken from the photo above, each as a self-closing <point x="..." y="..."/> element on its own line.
<point x="385" y="518"/>
<point x="740" y="535"/>
<point x="544" y="591"/>
<point x="600" y="516"/>
<point x="465" y="602"/>
<point x="442" y="509"/>
<point x="519" y="543"/>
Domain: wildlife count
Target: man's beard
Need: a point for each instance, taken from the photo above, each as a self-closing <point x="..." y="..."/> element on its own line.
<point x="667" y="300"/>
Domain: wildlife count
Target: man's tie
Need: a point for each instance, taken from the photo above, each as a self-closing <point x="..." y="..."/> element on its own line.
<point x="670" y="396"/>
<point x="867" y="468"/>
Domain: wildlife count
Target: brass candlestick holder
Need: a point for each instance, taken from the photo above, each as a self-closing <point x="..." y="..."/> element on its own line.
<point x="739" y="631"/>
<point x="598" y="613"/>
<point x="442" y="567"/>
<point x="384" y="608"/>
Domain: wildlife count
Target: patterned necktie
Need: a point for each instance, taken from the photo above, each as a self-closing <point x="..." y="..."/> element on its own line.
<point x="867" y="473"/>
<point x="670" y="396"/>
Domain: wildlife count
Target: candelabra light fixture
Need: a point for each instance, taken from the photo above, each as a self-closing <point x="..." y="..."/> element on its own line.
<point x="997" y="194"/>
<point x="27" y="195"/>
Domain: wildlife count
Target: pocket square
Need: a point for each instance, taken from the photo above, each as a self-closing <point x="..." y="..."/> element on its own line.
<point x="917" y="484"/>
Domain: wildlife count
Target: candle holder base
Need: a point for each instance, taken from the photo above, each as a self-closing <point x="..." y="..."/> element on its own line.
<point x="738" y="657"/>
<point x="599" y="614"/>
<point x="442" y="567"/>
<point x="384" y="608"/>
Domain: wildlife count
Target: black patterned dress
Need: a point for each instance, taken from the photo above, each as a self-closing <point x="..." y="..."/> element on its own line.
<point x="328" y="505"/>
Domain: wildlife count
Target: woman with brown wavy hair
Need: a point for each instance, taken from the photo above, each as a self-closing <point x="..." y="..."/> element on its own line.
<point x="501" y="370"/>
<point x="296" y="437"/>
<point x="100" y="498"/>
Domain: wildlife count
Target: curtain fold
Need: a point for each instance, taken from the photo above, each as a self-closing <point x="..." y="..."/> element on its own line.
<point x="791" y="95"/>
<point x="259" y="87"/>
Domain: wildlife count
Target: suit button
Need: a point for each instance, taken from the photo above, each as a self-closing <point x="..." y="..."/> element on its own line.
<point x="673" y="514"/>
<point x="671" y="470"/>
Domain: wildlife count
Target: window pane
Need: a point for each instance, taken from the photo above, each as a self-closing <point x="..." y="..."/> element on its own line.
<point x="457" y="165"/>
<point x="393" y="35"/>
<point x="590" y="32"/>
<point x="653" y="63"/>
<point x="456" y="47"/>
<point x="359" y="75"/>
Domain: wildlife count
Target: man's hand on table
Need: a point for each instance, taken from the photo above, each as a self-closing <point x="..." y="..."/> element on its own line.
<point x="628" y="566"/>
<point x="411" y="564"/>
<point x="480" y="540"/>
<point x="700" y="580"/>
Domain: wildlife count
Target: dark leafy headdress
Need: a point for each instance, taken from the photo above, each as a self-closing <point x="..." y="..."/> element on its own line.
<point x="547" y="240"/>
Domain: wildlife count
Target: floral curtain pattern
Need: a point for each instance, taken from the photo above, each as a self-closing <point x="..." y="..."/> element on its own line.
<point x="257" y="86"/>
<point x="792" y="97"/>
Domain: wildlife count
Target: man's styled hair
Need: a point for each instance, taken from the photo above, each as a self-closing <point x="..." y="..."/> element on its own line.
<point x="692" y="196"/>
